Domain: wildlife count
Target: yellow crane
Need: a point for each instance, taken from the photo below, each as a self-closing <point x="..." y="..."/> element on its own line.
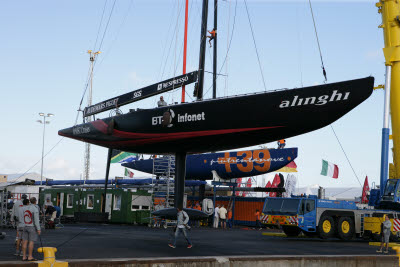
<point x="389" y="188"/>
<point x="390" y="11"/>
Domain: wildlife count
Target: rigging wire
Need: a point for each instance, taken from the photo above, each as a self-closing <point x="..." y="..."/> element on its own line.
<point x="48" y="152"/>
<point x="117" y="34"/>
<point x="170" y="45"/>
<point x="84" y="90"/>
<point x="108" y="22"/>
<point x="16" y="179"/>
<point x="174" y="38"/>
<point x="175" y="55"/>
<point x="319" y="47"/>
<point x="342" y="192"/>
<point x="255" y="45"/>
<point x="165" y="45"/>
<point x="85" y="87"/>
<point x="101" y="22"/>
<point x="63" y="243"/>
<point x="180" y="54"/>
<point x="95" y="60"/>
<point x="229" y="46"/>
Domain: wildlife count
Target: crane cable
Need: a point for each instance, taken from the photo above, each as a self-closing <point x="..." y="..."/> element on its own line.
<point x="319" y="47"/>
<point x="324" y="73"/>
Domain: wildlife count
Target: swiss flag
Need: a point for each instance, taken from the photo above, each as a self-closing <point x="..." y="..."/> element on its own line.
<point x="268" y="186"/>
<point x="275" y="184"/>
<point x="364" y="198"/>
<point x="248" y="184"/>
<point x="238" y="182"/>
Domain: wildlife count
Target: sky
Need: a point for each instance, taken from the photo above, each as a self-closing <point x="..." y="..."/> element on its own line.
<point x="44" y="68"/>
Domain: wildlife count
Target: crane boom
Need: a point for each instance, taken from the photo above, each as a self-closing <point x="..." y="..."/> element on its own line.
<point x="390" y="11"/>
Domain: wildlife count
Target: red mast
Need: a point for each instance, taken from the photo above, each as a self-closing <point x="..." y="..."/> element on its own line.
<point x="185" y="47"/>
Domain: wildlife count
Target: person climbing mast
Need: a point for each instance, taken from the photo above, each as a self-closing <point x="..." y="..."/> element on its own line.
<point x="212" y="36"/>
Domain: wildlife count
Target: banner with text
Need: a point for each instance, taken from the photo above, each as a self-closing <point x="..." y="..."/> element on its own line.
<point x="142" y="93"/>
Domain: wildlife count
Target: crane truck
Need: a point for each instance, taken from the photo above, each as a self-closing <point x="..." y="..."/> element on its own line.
<point x="344" y="219"/>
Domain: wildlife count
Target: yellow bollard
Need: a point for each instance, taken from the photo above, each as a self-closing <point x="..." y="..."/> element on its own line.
<point x="50" y="258"/>
<point x="397" y="249"/>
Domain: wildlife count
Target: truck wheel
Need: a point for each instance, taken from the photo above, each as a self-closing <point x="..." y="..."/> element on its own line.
<point x="345" y="228"/>
<point x="291" y="231"/>
<point x="326" y="227"/>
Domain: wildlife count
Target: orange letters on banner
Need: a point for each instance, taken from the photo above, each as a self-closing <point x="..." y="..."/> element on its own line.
<point x="264" y="163"/>
<point x="227" y="161"/>
<point x="247" y="161"/>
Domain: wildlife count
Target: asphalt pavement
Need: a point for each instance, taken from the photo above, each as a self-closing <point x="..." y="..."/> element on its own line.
<point x="92" y="241"/>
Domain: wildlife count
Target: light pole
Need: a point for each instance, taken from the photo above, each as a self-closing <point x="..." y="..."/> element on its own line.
<point x="44" y="122"/>
<point x="88" y="119"/>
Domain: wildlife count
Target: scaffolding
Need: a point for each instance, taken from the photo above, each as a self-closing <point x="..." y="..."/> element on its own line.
<point x="163" y="182"/>
<point x="4" y="222"/>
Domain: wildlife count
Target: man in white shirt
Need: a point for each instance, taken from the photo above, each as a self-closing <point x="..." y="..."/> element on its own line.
<point x="31" y="231"/>
<point x="222" y="216"/>
<point x="216" y="216"/>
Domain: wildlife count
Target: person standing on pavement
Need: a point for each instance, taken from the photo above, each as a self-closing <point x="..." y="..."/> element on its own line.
<point x="258" y="222"/>
<point x="229" y="221"/>
<point x="15" y="220"/>
<point x="385" y="233"/>
<point x="222" y="215"/>
<point x="216" y="216"/>
<point x="20" y="226"/>
<point x="31" y="228"/>
<point x="181" y="226"/>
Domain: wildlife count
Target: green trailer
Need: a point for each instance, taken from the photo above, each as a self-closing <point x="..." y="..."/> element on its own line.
<point x="124" y="205"/>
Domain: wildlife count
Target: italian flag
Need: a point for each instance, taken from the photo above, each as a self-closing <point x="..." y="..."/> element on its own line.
<point x="128" y="173"/>
<point x="330" y="169"/>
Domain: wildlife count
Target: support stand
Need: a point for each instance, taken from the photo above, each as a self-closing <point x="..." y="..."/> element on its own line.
<point x="202" y="192"/>
<point x="180" y="172"/>
<point x="103" y="208"/>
